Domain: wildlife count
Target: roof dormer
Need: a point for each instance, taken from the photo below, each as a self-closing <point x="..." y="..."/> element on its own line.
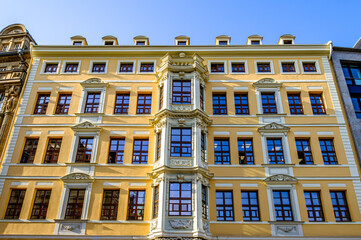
<point x="78" y="40"/>
<point x="141" y="40"/>
<point x="182" y="40"/>
<point x="254" y="40"/>
<point x="287" y="39"/>
<point x="110" y="40"/>
<point x="223" y="40"/>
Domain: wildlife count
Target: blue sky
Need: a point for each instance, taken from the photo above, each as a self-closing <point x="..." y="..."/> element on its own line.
<point x="311" y="21"/>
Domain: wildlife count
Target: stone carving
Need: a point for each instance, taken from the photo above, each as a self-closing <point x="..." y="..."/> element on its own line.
<point x="181" y="108"/>
<point x="203" y="180"/>
<point x="267" y="82"/>
<point x="182" y="54"/>
<point x="14" y="92"/>
<point x="274" y="127"/>
<point x="158" y="180"/>
<point x="181" y="121"/>
<point x="287" y="229"/>
<point x="205" y="226"/>
<point x="180" y="177"/>
<point x="180" y="224"/>
<point x="281" y="178"/>
<point x="93" y="80"/>
<point x="86" y="126"/>
<point x="180" y="162"/>
<point x="70" y="228"/>
<point x="154" y="224"/>
<point x="77" y="177"/>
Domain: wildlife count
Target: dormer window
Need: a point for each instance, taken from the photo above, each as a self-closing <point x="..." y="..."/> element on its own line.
<point x="77" y="43"/>
<point x="181" y="43"/>
<point x="255" y="42"/>
<point x="223" y="43"/>
<point x="140" y="43"/>
<point x="287" y="41"/>
<point x="109" y="43"/>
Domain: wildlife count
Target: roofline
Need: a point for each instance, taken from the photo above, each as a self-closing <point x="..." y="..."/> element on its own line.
<point x="346" y="49"/>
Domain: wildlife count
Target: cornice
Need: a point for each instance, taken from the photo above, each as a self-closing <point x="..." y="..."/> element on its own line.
<point x="165" y="113"/>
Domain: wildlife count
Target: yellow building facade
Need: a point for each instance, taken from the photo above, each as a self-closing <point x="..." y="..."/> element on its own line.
<point x="180" y="142"/>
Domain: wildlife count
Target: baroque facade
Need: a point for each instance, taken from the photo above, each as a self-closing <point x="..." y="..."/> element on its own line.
<point x="180" y="142"/>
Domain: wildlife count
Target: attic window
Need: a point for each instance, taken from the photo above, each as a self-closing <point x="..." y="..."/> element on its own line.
<point x="182" y="43"/>
<point x="140" y="43"/>
<point x="223" y="43"/>
<point x="77" y="43"/>
<point x="255" y="42"/>
<point x="109" y="43"/>
<point x="287" y="41"/>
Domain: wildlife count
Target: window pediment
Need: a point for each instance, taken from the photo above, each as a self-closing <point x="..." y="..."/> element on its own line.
<point x="94" y="83"/>
<point x="77" y="178"/>
<point x="267" y="83"/>
<point x="281" y="179"/>
<point x="86" y="127"/>
<point x="273" y="128"/>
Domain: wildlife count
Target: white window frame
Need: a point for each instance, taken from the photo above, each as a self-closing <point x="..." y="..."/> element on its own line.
<point x="107" y="40"/>
<point x="297" y="71"/>
<point x="45" y="62"/>
<point x="84" y="96"/>
<point x="63" y="66"/>
<point x="181" y="40"/>
<point x="318" y="69"/>
<point x="82" y="42"/>
<point x="146" y="61"/>
<point x="224" y="66"/>
<point x="222" y="40"/>
<point x="241" y="61"/>
<point x="285" y="146"/>
<point x="278" y="99"/>
<point x="264" y="61"/>
<point x="125" y="61"/>
<point x="75" y="142"/>
<point x="92" y="62"/>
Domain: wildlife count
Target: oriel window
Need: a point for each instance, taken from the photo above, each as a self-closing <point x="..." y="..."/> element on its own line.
<point x="181" y="92"/>
<point x="180" y="199"/>
<point x="181" y="142"/>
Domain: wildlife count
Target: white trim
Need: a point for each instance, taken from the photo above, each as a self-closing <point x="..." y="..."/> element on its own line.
<point x="318" y="69"/>
<point x="141" y="132"/>
<point x="223" y="184"/>
<point x="293" y="88"/>
<point x="220" y="133"/>
<point x="278" y="100"/>
<point x="65" y="89"/>
<point x="285" y="146"/>
<point x="311" y="185"/>
<point x="224" y="67"/>
<point x="240" y="89"/>
<point x="295" y="63"/>
<point x="44" y="184"/>
<point x="111" y="184"/>
<point x="84" y="96"/>
<point x="49" y="62"/>
<point x="245" y="133"/>
<point x="219" y="88"/>
<point x="123" y="88"/>
<point x="240" y="61"/>
<point x="251" y="185"/>
<point x="146" y="61"/>
<point x="32" y="132"/>
<point x="75" y="142"/>
<point x="145" y="88"/>
<point x="125" y="61"/>
<point x="315" y="88"/>
<point x="343" y="185"/>
<point x="118" y="132"/>
<point x="19" y="183"/>
<point x="301" y="133"/>
<point x="55" y="132"/>
<point x="45" y="89"/>
<point x="65" y="62"/>
<point x="325" y="133"/>
<point x="137" y="184"/>
<point x="98" y="61"/>
<point x="264" y="61"/>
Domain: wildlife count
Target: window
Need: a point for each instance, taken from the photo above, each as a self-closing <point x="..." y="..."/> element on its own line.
<point x="304" y="152"/>
<point x="314" y="206"/>
<point x="121" y="103"/>
<point x="5" y="48"/>
<point x="181" y="142"/>
<point x="201" y="97"/>
<point x="159" y="145"/>
<point x="245" y="151"/>
<point x="116" y="150"/>
<point x="41" y="202"/>
<point x="222" y="42"/>
<point x="181" y="92"/>
<point x="275" y="151"/>
<point x="219" y="104"/>
<point x="288" y="67"/>
<point x="29" y="151"/>
<point x="140" y="151"/>
<point x="250" y="207"/>
<point x="92" y="102"/>
<point x="221" y="151"/>
<point x="156" y="202"/>
<point x="203" y="146"/>
<point x="224" y="204"/>
<point x="85" y="148"/>
<point x="255" y="42"/>
<point x="63" y="104"/>
<point x="269" y="103"/>
<point x="287" y="41"/>
<point x="51" y="68"/>
<point x="74" y="206"/>
<point x="282" y="203"/>
<point x="98" y="67"/>
<point x="241" y="104"/>
<point x="52" y="151"/>
<point x="328" y="152"/>
<point x="2" y="99"/>
<point x="161" y="93"/>
<point x="126" y="67"/>
<point x="110" y="205"/>
<point x="309" y="67"/>
<point x="144" y="104"/>
<point x="295" y="103"/>
<point x="140" y="43"/>
<point x="180" y="199"/>
<point x="217" y="67"/>
<point x="42" y="103"/>
<point x="71" y="67"/>
<point x="181" y="43"/>
<point x="77" y="43"/>
<point x="318" y="107"/>
<point x="263" y="67"/>
<point x="356" y="102"/>
<point x="340" y="206"/>
<point x="109" y="43"/>
<point x="204" y="202"/>
<point x="17" y="46"/>
<point x="238" y="68"/>
<point x="352" y="73"/>
<point x="15" y="204"/>
<point x="136" y="205"/>
<point x="146" y="67"/>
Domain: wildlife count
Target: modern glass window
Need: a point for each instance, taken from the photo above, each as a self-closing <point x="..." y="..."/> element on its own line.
<point x="224" y="205"/>
<point x="250" y="206"/>
<point x="340" y="206"/>
<point x="219" y="104"/>
<point x="264" y="67"/>
<point x="180" y="199"/>
<point x="126" y="67"/>
<point x="31" y="144"/>
<point x="318" y="107"/>
<point x="98" y="67"/>
<point x="140" y="151"/>
<point x="181" y="92"/>
<point x="51" y="68"/>
<point x="275" y="151"/>
<point x="201" y="97"/>
<point x="75" y="203"/>
<point x="121" y="103"/>
<point x="241" y="103"/>
<point x="282" y="204"/>
<point x="42" y="103"/>
<point x="53" y="150"/>
<point x="147" y="67"/>
<point x="352" y="73"/>
<point x="136" y="205"/>
<point x="144" y="103"/>
<point x="71" y="67"/>
<point x="116" y="150"/>
<point x="110" y="205"/>
<point x="15" y="204"/>
<point x="63" y="104"/>
<point x="156" y="202"/>
<point x="84" y="151"/>
<point x="92" y="102"/>
<point x="304" y="152"/>
<point x="356" y="101"/>
<point x="159" y="145"/>
<point x="221" y="151"/>
<point x="217" y="67"/>
<point x="181" y="142"/>
<point x="269" y="103"/>
<point x="41" y="203"/>
<point x="309" y="67"/>
<point x="295" y="103"/>
<point x="245" y="151"/>
<point x="204" y="202"/>
<point x="238" y="68"/>
<point x="203" y="146"/>
<point x="288" y="67"/>
<point x="328" y="151"/>
<point x="314" y="206"/>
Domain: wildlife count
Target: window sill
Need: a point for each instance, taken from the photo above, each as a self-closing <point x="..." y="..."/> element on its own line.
<point x="88" y="114"/>
<point x="81" y="163"/>
<point x="271" y="115"/>
<point x="285" y="222"/>
<point x="278" y="165"/>
<point x="71" y="220"/>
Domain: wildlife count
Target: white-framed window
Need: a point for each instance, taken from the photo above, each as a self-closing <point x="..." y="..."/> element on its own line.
<point x="310" y="67"/>
<point x="98" y="67"/>
<point x="70" y="67"/>
<point x="50" y="67"/>
<point x="93" y="87"/>
<point x="217" y="67"/>
<point x="146" y="67"/>
<point x="85" y="143"/>
<point x="238" y="67"/>
<point x="289" y="67"/>
<point x="182" y="42"/>
<point x="264" y="67"/>
<point x="269" y="101"/>
<point x="222" y="41"/>
<point x="276" y="148"/>
<point x="126" y="67"/>
<point x="109" y="42"/>
<point x="77" y="42"/>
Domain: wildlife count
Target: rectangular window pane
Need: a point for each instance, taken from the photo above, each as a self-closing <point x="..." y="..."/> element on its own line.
<point x="52" y="151"/>
<point x="140" y="151"/>
<point x="181" y="92"/>
<point x="269" y="103"/>
<point x="146" y="67"/>
<point x="245" y="151"/>
<point x="85" y="148"/>
<point x="144" y="104"/>
<point x="15" y="204"/>
<point x="309" y="67"/>
<point x="275" y="151"/>
<point x="295" y="103"/>
<point x="217" y="67"/>
<point x="224" y="205"/>
<point x="136" y="205"/>
<point x="328" y="151"/>
<point x="92" y="102"/>
<point x="180" y="199"/>
<point x="63" y="104"/>
<point x="42" y="103"/>
<point x="116" y="150"/>
<point x="74" y="206"/>
<point x="288" y="67"/>
<point x="156" y="202"/>
<point x="219" y="104"/>
<point x="318" y="107"/>
<point x="98" y="68"/>
<point x="314" y="206"/>
<point x="250" y="207"/>
<point x="241" y="104"/>
<point x="31" y="144"/>
<point x="126" y="67"/>
<point x="121" y="103"/>
<point x="51" y="68"/>
<point x="181" y="142"/>
<point x="238" y="67"/>
<point x="71" y="67"/>
<point x="110" y="205"/>
<point x="282" y="204"/>
<point x="221" y="151"/>
<point x="340" y="206"/>
<point x="41" y="204"/>
<point x="263" y="67"/>
<point x="304" y="151"/>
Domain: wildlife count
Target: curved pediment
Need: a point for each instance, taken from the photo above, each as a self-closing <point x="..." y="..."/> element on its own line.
<point x="273" y="128"/>
<point x="94" y="82"/>
<point x="77" y="178"/>
<point x="267" y="83"/>
<point x="13" y="29"/>
<point x="86" y="127"/>
<point x="281" y="179"/>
